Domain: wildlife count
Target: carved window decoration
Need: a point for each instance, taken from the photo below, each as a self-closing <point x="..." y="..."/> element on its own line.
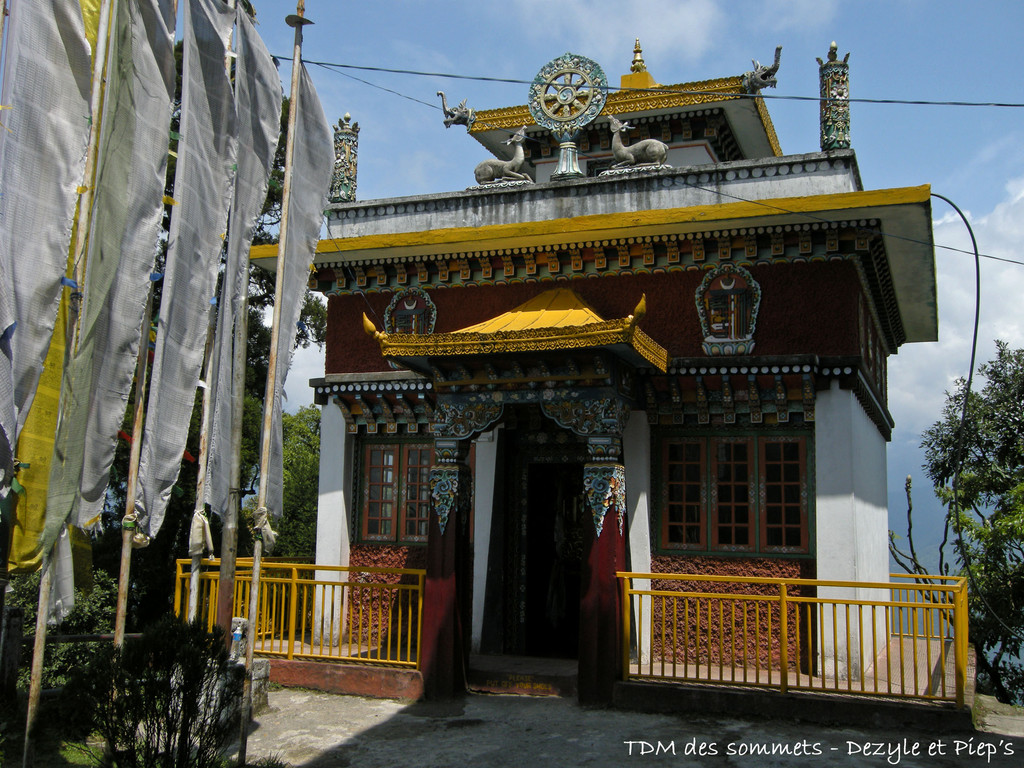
<point x="728" y="300"/>
<point x="410" y="311"/>
<point x="736" y="495"/>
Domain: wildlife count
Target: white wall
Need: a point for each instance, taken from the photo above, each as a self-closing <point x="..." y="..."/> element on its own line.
<point x="636" y="453"/>
<point x="483" y="513"/>
<point x="851" y="521"/>
<point x="333" y="515"/>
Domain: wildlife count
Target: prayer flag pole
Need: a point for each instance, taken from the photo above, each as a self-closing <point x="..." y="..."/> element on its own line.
<point x="297" y="21"/>
<point x="199" y="536"/>
<point x="84" y="217"/>
<point x="225" y="607"/>
<point x="229" y="530"/>
<point x="128" y="521"/>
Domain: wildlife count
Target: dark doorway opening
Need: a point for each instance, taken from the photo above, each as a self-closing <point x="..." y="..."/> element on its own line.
<point x="554" y="542"/>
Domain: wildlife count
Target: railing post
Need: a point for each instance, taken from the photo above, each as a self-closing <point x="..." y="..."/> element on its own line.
<point x="960" y="641"/>
<point x="784" y="639"/>
<point x="422" y="578"/>
<point x="293" y="599"/>
<point x="625" y="583"/>
<point x="177" y="588"/>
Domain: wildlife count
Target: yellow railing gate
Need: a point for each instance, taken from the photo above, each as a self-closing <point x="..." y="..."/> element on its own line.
<point x="336" y="613"/>
<point x="902" y="638"/>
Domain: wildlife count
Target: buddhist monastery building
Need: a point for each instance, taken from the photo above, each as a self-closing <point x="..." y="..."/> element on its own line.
<point x="590" y="363"/>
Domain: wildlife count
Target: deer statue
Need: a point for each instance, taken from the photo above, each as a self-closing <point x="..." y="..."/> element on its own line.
<point x="646" y="152"/>
<point x="493" y="169"/>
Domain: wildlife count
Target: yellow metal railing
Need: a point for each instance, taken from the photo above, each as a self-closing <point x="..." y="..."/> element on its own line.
<point x="336" y="613"/>
<point x="900" y="638"/>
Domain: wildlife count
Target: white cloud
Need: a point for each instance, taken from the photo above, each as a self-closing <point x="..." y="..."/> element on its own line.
<point x="921" y="373"/>
<point x="602" y="29"/>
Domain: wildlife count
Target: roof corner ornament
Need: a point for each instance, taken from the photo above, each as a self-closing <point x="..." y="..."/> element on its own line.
<point x="495" y="171"/>
<point x="834" y="76"/>
<point x="370" y="328"/>
<point x="460" y="115"/>
<point x="346" y="156"/>
<point x="762" y="76"/>
<point x="567" y="94"/>
<point x="648" y="153"/>
<point x="638" y="64"/>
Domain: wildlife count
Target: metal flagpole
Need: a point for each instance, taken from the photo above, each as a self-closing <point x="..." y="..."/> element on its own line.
<point x="296" y="21"/>
<point x="84" y="217"/>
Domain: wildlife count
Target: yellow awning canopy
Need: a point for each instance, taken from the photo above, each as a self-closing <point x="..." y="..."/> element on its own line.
<point x="559" y="308"/>
<point x="554" y="320"/>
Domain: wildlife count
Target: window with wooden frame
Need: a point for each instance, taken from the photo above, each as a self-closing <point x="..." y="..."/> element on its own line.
<point x="396" y="491"/>
<point x="683" y="524"/>
<point x="784" y="495"/>
<point x="735" y="494"/>
<point x="731" y="494"/>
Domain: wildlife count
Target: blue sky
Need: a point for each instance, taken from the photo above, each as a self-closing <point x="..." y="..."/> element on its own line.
<point x="934" y="50"/>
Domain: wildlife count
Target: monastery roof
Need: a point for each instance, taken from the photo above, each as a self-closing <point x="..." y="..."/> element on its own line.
<point x="798" y="191"/>
<point x="746" y="113"/>
<point x="552" y="321"/>
<point x="560" y="308"/>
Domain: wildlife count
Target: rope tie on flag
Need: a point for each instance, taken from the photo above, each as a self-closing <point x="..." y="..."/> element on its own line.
<point x="200" y="540"/>
<point x="129" y="523"/>
<point x="263" y="531"/>
<point x="17" y="487"/>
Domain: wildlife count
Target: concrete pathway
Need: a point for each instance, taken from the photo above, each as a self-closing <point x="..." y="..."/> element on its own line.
<point x="308" y="729"/>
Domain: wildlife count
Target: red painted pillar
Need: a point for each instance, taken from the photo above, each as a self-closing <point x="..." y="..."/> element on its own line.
<point x="600" y="602"/>
<point x="442" y="650"/>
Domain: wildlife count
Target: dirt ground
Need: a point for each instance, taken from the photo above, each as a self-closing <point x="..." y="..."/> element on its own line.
<point x="308" y="729"/>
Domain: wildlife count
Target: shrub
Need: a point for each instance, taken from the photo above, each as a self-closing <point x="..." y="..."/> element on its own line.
<point x="166" y="700"/>
<point x="92" y="614"/>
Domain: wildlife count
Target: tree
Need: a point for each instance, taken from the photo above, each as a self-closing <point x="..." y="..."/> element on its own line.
<point x="977" y="465"/>
<point x="296" y="530"/>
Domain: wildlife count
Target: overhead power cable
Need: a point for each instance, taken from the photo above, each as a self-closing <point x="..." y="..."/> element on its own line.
<point x="667" y="90"/>
<point x="766" y="203"/>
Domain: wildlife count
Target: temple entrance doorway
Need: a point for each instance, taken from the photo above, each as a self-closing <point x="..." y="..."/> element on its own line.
<point x="542" y="537"/>
<point x="553" y="544"/>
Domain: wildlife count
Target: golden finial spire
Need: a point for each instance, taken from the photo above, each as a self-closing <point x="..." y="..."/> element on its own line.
<point x="638" y="59"/>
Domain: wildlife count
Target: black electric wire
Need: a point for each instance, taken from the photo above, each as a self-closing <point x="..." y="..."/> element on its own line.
<point x="959" y="450"/>
<point x="333" y="67"/>
<point x="667" y="90"/>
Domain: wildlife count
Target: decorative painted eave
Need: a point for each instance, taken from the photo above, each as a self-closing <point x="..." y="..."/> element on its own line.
<point x="745" y="111"/>
<point x="553" y="321"/>
<point x="895" y="226"/>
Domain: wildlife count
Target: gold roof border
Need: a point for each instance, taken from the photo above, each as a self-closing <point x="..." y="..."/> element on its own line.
<point x="629" y="101"/>
<point x="680" y="95"/>
<point x="769" y="126"/>
<point x="608" y="332"/>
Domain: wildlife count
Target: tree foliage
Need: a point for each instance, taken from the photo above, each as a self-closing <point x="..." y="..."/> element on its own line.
<point x="296" y="530"/>
<point x="978" y="470"/>
<point x="93" y="613"/>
